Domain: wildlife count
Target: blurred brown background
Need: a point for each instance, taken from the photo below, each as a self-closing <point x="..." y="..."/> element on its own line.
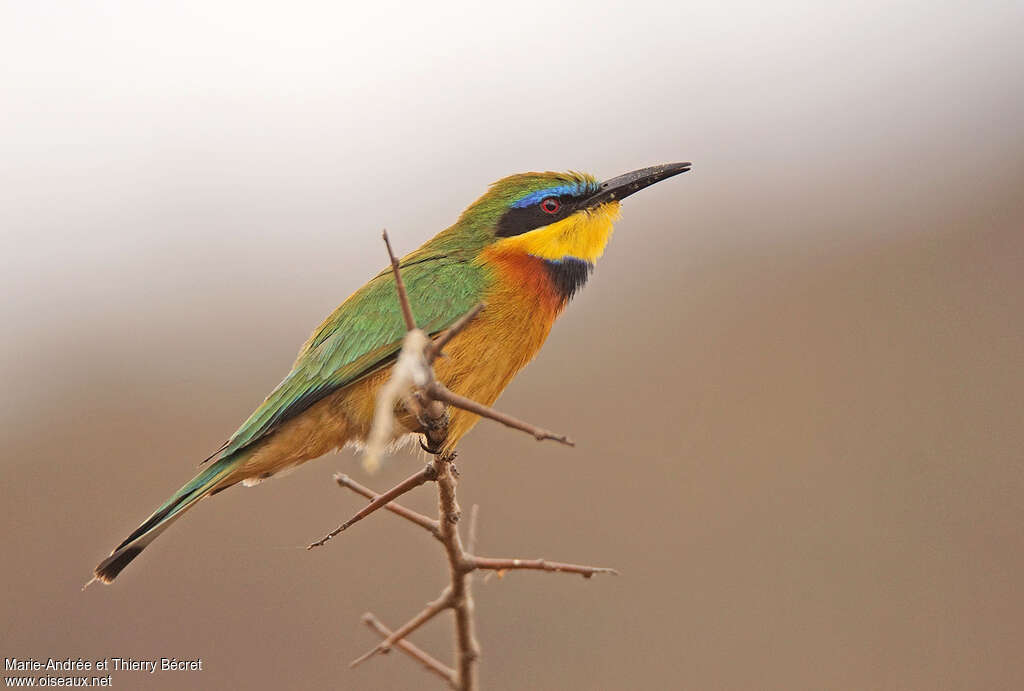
<point x="795" y="380"/>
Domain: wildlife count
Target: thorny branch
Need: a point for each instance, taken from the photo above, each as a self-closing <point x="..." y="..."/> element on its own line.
<point x="419" y="519"/>
<point x="412" y="384"/>
<point x="428" y="473"/>
<point x="414" y="651"/>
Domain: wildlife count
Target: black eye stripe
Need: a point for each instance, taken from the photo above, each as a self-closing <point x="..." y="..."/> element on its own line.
<point x="517" y="221"/>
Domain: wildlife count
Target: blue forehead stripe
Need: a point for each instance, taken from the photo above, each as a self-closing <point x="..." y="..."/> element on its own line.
<point x="575" y="189"/>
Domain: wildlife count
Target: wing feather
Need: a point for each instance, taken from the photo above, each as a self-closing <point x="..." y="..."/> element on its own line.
<point x="363" y="335"/>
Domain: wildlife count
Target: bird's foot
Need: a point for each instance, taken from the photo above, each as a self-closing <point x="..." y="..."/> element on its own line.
<point x="432" y="450"/>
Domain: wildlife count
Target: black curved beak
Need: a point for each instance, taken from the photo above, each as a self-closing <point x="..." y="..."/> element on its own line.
<point x="620" y="187"/>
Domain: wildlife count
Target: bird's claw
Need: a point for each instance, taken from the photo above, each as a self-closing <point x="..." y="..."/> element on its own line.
<point x="432" y="450"/>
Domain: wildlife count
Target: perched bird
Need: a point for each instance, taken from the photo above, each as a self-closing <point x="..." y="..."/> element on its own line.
<point x="524" y="248"/>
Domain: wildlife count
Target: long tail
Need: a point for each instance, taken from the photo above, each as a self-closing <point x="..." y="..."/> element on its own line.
<point x="181" y="501"/>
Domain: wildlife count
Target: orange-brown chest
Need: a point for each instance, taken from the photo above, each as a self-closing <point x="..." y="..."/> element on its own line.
<point x="522" y="304"/>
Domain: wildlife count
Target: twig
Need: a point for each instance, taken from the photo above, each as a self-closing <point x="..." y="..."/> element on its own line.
<point x="467" y="646"/>
<point x="430" y="524"/>
<point x="415" y="652"/>
<point x="438" y="391"/>
<point x="491" y="564"/>
<point x="428" y="473"/>
<point x="403" y="297"/>
<point x="435" y="348"/>
<point x="429" y="612"/>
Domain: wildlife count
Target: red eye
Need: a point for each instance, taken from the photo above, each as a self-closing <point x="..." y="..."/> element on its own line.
<point x="550" y="205"/>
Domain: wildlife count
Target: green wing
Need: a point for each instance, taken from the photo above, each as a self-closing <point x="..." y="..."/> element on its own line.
<point x="364" y="334"/>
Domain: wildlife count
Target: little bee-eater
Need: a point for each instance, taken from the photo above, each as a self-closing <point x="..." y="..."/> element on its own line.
<point x="524" y="249"/>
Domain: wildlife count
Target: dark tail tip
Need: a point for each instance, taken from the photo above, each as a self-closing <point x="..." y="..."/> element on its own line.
<point x="111" y="566"/>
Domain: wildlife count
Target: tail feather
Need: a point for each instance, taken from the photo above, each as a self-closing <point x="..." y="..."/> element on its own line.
<point x="185" y="498"/>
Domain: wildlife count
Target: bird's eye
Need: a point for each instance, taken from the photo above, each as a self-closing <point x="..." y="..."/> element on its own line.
<point x="550" y="205"/>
